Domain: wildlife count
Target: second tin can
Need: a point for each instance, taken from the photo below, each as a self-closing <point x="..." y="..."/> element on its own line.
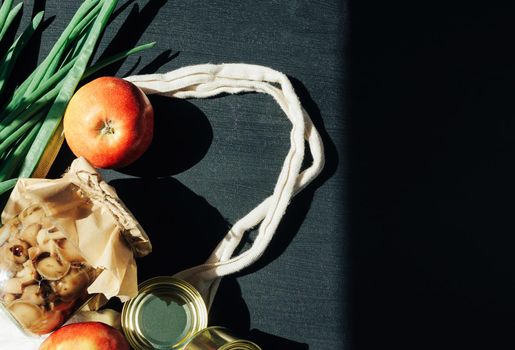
<point x="218" y="338"/>
<point x="164" y="315"/>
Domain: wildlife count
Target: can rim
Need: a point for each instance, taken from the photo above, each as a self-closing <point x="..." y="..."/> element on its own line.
<point x="240" y="344"/>
<point x="236" y="344"/>
<point x="178" y="288"/>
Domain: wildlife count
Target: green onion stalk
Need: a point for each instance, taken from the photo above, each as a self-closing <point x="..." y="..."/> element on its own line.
<point x="32" y="113"/>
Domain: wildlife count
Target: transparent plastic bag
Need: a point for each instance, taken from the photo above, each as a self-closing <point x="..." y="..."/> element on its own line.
<point x="64" y="241"/>
<point x="43" y="275"/>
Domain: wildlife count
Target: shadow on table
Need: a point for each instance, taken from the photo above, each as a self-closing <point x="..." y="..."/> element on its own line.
<point x="273" y="342"/>
<point x="230" y="310"/>
<point x="154" y="65"/>
<point x="129" y="33"/>
<point x="182" y="136"/>
<point x="300" y="205"/>
<point x="183" y="227"/>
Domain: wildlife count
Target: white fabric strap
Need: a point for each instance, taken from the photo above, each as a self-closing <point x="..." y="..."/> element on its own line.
<point x="209" y="80"/>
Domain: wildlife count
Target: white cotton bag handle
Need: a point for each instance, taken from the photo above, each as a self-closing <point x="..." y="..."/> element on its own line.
<point x="202" y="81"/>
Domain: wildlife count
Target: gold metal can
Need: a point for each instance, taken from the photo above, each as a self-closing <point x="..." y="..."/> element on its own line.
<point x="165" y="314"/>
<point x="218" y="338"/>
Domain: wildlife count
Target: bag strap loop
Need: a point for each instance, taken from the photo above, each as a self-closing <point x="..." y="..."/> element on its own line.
<point x="203" y="81"/>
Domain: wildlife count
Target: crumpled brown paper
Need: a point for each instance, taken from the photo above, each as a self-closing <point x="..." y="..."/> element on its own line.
<point x="90" y="211"/>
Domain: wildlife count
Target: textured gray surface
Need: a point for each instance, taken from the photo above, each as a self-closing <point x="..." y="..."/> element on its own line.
<point x="224" y="154"/>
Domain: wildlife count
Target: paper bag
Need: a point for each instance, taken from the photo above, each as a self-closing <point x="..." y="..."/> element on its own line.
<point x="89" y="210"/>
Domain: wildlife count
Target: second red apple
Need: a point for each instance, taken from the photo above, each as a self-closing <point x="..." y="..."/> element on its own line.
<point x="86" y="336"/>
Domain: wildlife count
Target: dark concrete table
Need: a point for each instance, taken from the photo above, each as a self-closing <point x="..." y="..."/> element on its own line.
<point x="213" y="160"/>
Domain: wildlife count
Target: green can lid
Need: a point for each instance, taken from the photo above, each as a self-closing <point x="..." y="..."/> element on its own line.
<point x="165" y="313"/>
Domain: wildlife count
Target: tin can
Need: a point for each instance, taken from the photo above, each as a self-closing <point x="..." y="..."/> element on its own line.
<point x="218" y="338"/>
<point x="165" y="314"/>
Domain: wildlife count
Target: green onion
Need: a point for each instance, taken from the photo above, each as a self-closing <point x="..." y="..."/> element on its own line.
<point x="9" y="140"/>
<point x="79" y="29"/>
<point x="61" y="42"/>
<point x="119" y="56"/>
<point x="7" y="185"/>
<point x="7" y="63"/>
<point x="49" y="90"/>
<point x="10" y="18"/>
<point x="13" y="110"/>
<point x="69" y="85"/>
<point x="14" y="159"/>
<point x="25" y="115"/>
<point x="4" y="11"/>
<point x="34" y="111"/>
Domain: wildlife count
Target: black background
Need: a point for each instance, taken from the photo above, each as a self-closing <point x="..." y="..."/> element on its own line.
<point x="432" y="157"/>
<point x="214" y="160"/>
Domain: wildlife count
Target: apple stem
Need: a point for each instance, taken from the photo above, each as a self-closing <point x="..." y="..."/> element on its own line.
<point x="107" y="129"/>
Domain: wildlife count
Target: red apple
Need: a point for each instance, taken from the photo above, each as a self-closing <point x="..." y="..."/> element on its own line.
<point x="86" y="336"/>
<point x="110" y="122"/>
